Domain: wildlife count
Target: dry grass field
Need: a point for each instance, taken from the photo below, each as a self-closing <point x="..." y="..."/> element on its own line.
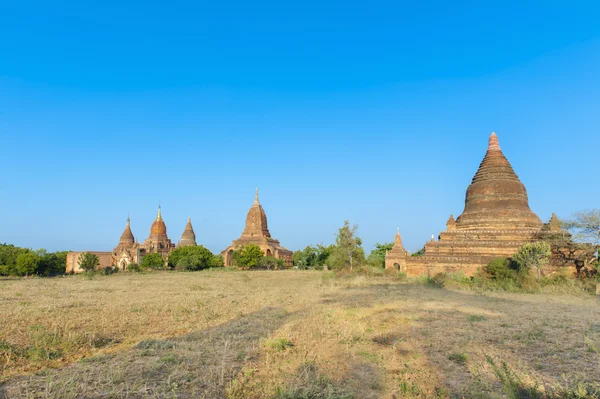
<point x="287" y="334"/>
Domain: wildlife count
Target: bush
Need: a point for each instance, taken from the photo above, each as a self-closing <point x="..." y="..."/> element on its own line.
<point x="248" y="257"/>
<point x="133" y="267"/>
<point x="270" y="263"/>
<point x="108" y="270"/>
<point x="192" y="258"/>
<point x="501" y="268"/>
<point x="152" y="261"/>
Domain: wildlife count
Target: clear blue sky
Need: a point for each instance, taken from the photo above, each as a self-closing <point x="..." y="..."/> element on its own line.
<point x="376" y="112"/>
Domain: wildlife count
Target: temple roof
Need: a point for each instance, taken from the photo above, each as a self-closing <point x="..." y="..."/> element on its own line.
<point x="158" y="228"/>
<point x="256" y="221"/>
<point x="496" y="198"/>
<point x="398" y="242"/>
<point x="127" y="239"/>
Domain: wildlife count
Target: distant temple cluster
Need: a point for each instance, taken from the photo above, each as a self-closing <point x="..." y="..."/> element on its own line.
<point x="129" y="251"/>
<point x="495" y="223"/>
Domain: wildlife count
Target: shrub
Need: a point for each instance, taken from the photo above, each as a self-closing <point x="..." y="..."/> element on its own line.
<point x="533" y="254"/>
<point x="133" y="267"/>
<point x="248" y="256"/>
<point x="501" y="269"/>
<point x="109" y="270"/>
<point x="152" y="261"/>
<point x="270" y="263"/>
<point x="191" y="258"/>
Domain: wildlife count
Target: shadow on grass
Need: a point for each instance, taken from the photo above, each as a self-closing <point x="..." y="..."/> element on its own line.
<point x="196" y="365"/>
<point x="544" y="339"/>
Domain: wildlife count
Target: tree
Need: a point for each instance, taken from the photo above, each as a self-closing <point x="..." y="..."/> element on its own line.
<point x="152" y="261"/>
<point x="348" y="251"/>
<point x="306" y="258"/>
<point x="270" y="263"/>
<point x="533" y="254"/>
<point x="192" y="258"/>
<point x="585" y="226"/>
<point x="52" y="263"/>
<point x="8" y="259"/>
<point x="420" y="252"/>
<point x="88" y="262"/>
<point x="312" y="257"/>
<point x="27" y="263"/>
<point x="377" y="256"/>
<point x="248" y="257"/>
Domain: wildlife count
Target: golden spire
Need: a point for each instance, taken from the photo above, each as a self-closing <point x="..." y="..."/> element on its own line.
<point x="256" y="197"/>
<point x="159" y="216"/>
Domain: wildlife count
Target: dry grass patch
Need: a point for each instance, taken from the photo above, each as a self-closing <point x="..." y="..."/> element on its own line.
<point x="288" y="334"/>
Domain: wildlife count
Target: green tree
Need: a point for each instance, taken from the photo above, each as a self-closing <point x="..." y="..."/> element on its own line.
<point x="248" y="257"/>
<point x="312" y="257"/>
<point x="377" y="256"/>
<point x="533" y="254"/>
<point x="420" y="252"/>
<point x="191" y="258"/>
<point x="585" y="226"/>
<point x="27" y="263"/>
<point x="152" y="261"/>
<point x="88" y="262"/>
<point x="52" y="263"/>
<point x="306" y="258"/>
<point x="8" y="259"/>
<point x="347" y="251"/>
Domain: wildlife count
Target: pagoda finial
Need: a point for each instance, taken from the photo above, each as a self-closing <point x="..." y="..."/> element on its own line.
<point x="189" y="219"/>
<point x="159" y="216"/>
<point x="493" y="143"/>
<point x="256" y="197"/>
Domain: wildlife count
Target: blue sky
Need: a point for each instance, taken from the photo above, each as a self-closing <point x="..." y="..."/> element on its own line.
<point x="375" y="112"/>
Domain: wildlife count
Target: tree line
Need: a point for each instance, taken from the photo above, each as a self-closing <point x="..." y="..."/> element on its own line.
<point x="16" y="261"/>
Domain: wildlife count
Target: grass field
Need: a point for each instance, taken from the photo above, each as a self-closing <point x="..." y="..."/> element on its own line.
<point x="288" y="334"/>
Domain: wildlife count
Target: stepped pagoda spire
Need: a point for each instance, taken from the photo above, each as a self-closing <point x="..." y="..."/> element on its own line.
<point x="256" y="221"/>
<point x="398" y="247"/>
<point x="188" y="238"/>
<point x="496" y="198"/>
<point x="127" y="240"/>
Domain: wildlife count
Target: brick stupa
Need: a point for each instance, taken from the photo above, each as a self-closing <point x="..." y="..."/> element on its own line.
<point x="495" y="223"/>
<point x="257" y="232"/>
<point x="188" y="238"/>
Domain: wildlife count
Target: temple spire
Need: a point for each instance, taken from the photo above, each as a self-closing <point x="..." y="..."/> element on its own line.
<point x="256" y="197"/>
<point x="159" y="216"/>
<point x="493" y="143"/>
<point x="398" y="238"/>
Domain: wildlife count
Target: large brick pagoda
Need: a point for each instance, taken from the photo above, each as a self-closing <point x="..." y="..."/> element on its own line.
<point x="495" y="223"/>
<point x="257" y="232"/>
